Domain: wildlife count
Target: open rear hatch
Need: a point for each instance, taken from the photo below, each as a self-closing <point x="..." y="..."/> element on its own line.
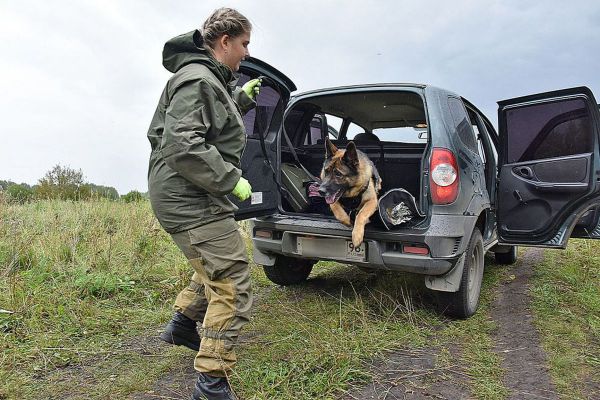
<point x="388" y="125"/>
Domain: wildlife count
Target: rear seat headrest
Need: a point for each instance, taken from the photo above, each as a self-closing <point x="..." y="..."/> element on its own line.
<point x="366" y="137"/>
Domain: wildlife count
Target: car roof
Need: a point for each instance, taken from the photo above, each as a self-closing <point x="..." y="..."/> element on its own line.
<point x="337" y="89"/>
<point x="385" y="86"/>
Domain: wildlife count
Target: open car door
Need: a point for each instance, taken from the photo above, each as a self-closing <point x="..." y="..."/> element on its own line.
<point x="263" y="121"/>
<point x="549" y="168"/>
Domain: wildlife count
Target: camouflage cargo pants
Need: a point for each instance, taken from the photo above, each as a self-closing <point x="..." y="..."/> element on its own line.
<point x="219" y="293"/>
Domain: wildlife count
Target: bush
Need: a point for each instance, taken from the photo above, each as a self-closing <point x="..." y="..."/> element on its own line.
<point x="65" y="183"/>
<point x="19" y="194"/>
<point x="132" y="197"/>
<point x="62" y="183"/>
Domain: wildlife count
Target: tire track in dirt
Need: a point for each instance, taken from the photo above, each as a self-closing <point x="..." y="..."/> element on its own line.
<point x="415" y="374"/>
<point x="516" y="339"/>
<point x="410" y="375"/>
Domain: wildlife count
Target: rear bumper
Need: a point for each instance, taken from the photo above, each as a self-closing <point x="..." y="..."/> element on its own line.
<point x="443" y="238"/>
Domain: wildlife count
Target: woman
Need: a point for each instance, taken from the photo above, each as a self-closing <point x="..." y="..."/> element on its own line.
<point x="197" y="137"/>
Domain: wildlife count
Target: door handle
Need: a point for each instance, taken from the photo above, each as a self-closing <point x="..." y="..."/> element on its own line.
<point x="524" y="171"/>
<point x="517" y="195"/>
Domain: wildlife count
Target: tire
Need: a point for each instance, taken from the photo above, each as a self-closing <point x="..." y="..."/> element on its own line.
<point x="464" y="303"/>
<point x="288" y="270"/>
<point x="507" y="258"/>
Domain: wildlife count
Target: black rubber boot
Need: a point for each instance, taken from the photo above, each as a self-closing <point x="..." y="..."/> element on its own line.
<point x="212" y="388"/>
<point x="181" y="331"/>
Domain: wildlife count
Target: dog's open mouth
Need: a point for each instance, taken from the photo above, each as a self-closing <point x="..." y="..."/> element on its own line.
<point x="332" y="198"/>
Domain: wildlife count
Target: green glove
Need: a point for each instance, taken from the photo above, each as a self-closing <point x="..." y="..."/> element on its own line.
<point x="252" y="87"/>
<point x="242" y="189"/>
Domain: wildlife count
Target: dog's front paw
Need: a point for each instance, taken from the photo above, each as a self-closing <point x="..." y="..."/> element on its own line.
<point x="357" y="236"/>
<point x="346" y="221"/>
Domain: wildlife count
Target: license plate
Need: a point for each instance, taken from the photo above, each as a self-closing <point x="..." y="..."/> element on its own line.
<point x="332" y="248"/>
<point x="355" y="253"/>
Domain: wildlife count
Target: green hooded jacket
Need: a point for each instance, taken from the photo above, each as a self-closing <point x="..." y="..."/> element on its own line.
<point x="197" y="137"/>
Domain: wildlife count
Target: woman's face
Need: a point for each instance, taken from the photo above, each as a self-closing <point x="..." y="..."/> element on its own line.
<point x="236" y="49"/>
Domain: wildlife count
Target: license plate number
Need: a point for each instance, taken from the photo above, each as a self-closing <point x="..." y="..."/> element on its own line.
<point x="331" y="248"/>
<point x="355" y="253"/>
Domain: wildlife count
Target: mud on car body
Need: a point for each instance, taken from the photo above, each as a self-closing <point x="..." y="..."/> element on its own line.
<point x="533" y="184"/>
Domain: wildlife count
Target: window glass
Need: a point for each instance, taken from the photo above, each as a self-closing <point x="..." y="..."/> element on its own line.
<point x="403" y="134"/>
<point x="259" y="119"/>
<point x="478" y="132"/>
<point x="548" y="130"/>
<point x="461" y="123"/>
<point x="492" y="132"/>
<point x="334" y="124"/>
<point x="353" y="130"/>
<point x="480" y="147"/>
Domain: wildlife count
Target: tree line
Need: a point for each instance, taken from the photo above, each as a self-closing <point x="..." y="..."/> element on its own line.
<point x="63" y="183"/>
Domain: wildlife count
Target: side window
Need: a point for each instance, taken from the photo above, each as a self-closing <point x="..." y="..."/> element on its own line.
<point x="480" y="146"/>
<point x="548" y="130"/>
<point x="492" y="132"/>
<point x="259" y="119"/>
<point x="353" y="130"/>
<point x="334" y="124"/>
<point x="478" y="131"/>
<point x="461" y="123"/>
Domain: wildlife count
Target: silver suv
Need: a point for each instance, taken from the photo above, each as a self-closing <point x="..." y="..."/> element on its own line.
<point x="535" y="184"/>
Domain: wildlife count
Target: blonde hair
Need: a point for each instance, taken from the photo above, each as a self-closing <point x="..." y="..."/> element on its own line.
<point x="224" y="21"/>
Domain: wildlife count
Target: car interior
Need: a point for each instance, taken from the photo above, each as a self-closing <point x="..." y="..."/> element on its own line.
<point x="389" y="127"/>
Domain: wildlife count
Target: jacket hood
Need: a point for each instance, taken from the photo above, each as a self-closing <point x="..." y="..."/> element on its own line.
<point x="189" y="48"/>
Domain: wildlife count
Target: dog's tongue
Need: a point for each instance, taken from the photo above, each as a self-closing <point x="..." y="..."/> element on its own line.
<point x="332" y="198"/>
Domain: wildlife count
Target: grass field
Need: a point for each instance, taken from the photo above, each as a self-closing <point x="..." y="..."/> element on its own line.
<point x="87" y="285"/>
<point x="566" y="292"/>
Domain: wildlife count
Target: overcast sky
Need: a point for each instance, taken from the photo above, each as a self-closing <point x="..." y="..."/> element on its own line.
<point x="79" y="80"/>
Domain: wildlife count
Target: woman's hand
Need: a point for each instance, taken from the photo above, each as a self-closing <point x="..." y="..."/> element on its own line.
<point x="252" y="87"/>
<point x="242" y="189"/>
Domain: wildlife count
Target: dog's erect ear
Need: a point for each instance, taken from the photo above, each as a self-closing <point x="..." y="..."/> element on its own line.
<point x="330" y="148"/>
<point x="351" y="156"/>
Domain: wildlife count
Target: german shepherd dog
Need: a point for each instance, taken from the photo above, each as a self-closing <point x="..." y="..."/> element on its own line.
<point x="350" y="176"/>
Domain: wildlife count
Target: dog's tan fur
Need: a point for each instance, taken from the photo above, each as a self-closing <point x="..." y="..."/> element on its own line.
<point x="352" y="172"/>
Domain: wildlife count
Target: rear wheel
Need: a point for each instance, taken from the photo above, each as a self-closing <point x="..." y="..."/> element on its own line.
<point x="464" y="303"/>
<point x="288" y="270"/>
<point x="509" y="257"/>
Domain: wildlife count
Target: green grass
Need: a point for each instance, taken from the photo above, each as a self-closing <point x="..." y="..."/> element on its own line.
<point x="78" y="277"/>
<point x="566" y="292"/>
<point x="325" y="331"/>
<point x="89" y="285"/>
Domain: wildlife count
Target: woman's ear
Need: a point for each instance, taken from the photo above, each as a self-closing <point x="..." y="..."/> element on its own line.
<point x="224" y="41"/>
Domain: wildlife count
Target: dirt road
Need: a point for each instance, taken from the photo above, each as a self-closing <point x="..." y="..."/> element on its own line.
<point x="415" y="376"/>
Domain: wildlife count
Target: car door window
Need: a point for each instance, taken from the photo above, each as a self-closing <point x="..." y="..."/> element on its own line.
<point x="548" y="130"/>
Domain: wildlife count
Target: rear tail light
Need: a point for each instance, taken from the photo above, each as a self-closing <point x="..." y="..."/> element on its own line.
<point x="263" y="234"/>
<point x="415" y="249"/>
<point x="444" y="180"/>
